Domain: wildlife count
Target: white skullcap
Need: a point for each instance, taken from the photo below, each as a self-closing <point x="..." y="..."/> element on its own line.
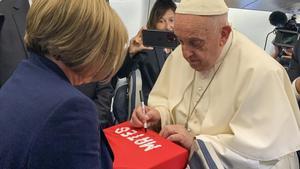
<point x="202" y="7"/>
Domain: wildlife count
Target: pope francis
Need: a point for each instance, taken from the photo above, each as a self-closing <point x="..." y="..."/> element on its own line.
<point x="222" y="97"/>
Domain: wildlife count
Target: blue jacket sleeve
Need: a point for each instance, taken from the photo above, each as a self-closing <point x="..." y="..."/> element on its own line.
<point x="70" y="139"/>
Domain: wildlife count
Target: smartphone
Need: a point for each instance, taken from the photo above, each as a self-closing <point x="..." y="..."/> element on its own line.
<point x="1" y="20"/>
<point x="157" y="38"/>
<point x="286" y="38"/>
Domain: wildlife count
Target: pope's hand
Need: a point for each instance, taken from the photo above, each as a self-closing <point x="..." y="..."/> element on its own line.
<point x="138" y="118"/>
<point x="178" y="134"/>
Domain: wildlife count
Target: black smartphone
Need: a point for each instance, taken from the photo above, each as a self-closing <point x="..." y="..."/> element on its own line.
<point x="1" y="20"/>
<point x="286" y="38"/>
<point x="157" y="38"/>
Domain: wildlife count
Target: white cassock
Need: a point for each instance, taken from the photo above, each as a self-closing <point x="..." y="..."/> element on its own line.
<point x="248" y="116"/>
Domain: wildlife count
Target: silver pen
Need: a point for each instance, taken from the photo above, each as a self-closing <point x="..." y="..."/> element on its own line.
<point x="143" y="109"/>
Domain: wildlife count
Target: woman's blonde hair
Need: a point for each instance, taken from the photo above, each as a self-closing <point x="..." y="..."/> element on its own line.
<point x="86" y="35"/>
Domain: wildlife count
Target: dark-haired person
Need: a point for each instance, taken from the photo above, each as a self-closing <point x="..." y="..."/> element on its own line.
<point x="45" y="122"/>
<point x="150" y="60"/>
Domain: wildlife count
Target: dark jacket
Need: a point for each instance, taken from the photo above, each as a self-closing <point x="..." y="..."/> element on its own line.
<point x="12" y="49"/>
<point x="101" y="94"/>
<point x="150" y="63"/>
<point x="46" y="123"/>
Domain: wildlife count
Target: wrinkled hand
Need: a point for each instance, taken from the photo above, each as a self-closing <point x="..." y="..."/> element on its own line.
<point x="178" y="134"/>
<point x="136" y="43"/>
<point x="138" y="118"/>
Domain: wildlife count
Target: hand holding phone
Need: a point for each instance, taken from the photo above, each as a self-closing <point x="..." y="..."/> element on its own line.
<point x="136" y="43"/>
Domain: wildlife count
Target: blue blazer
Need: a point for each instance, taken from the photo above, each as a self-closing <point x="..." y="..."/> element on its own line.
<point x="46" y="123"/>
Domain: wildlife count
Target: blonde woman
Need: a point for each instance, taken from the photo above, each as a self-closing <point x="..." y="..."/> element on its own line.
<point x="44" y="121"/>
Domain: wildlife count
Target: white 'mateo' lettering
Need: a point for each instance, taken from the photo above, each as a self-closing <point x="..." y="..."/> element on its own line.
<point x="132" y="135"/>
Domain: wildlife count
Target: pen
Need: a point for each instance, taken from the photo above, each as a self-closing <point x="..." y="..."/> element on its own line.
<point x="143" y="108"/>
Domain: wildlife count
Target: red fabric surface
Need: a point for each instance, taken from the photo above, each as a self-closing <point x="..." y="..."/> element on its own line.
<point x="135" y="149"/>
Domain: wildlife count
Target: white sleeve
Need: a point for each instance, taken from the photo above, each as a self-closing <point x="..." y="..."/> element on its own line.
<point x="209" y="153"/>
<point x="295" y="89"/>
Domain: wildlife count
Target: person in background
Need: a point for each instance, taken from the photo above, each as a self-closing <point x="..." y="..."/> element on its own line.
<point x="101" y="94"/>
<point x="222" y="97"/>
<point x="285" y="56"/>
<point x="45" y="121"/>
<point x="289" y="58"/>
<point x="12" y="51"/>
<point x="296" y="81"/>
<point x="150" y="60"/>
<point x="282" y="53"/>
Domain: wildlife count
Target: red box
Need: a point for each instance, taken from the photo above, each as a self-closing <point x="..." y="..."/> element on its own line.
<point x="135" y="149"/>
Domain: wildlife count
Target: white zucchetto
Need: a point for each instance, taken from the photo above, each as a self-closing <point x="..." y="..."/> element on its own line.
<point x="202" y="7"/>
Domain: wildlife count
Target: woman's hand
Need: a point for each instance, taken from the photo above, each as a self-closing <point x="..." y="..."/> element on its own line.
<point x="136" y="43"/>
